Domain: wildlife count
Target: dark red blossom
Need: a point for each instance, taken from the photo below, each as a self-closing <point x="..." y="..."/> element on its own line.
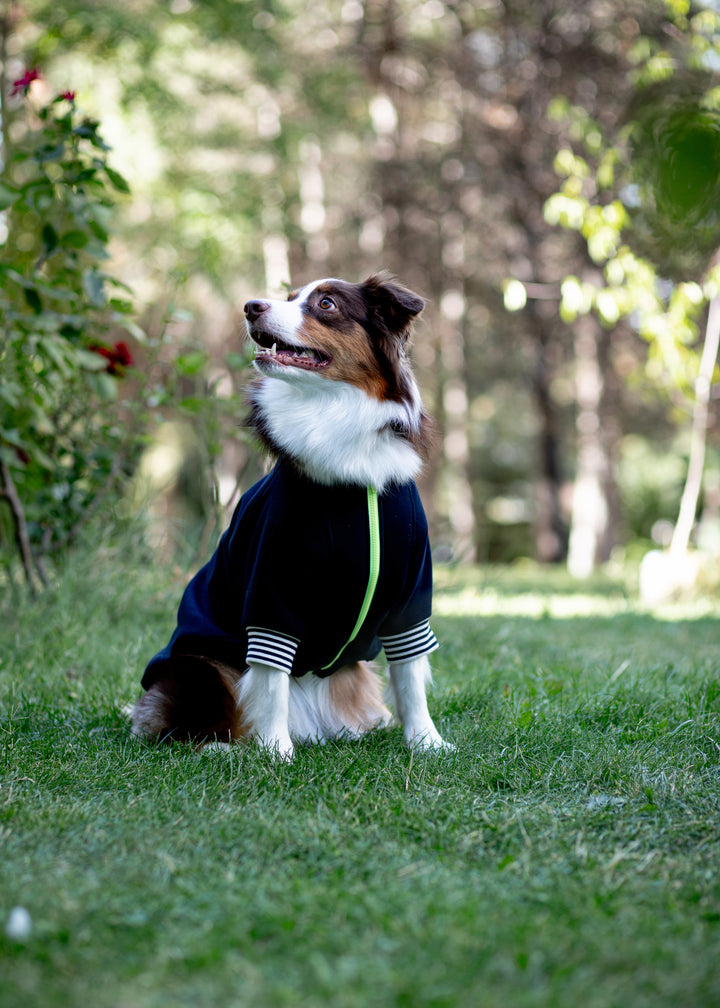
<point x="118" y="357"/>
<point x="67" y="96"/>
<point x="22" y="84"/>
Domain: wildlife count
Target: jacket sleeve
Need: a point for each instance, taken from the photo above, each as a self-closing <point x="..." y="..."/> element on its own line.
<point x="413" y="643"/>
<point x="269" y="647"/>
<point x="405" y="634"/>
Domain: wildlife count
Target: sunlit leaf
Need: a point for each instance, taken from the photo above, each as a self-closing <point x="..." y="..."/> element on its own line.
<point x="514" y="295"/>
<point x="117" y="180"/>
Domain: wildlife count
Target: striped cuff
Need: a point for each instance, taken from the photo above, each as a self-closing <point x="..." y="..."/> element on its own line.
<point x="419" y="640"/>
<point x="271" y="648"/>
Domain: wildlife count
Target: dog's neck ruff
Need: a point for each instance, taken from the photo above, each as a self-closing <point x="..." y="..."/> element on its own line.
<point x="335" y="432"/>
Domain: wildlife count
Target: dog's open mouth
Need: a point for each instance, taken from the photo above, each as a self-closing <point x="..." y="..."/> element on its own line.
<point x="271" y="350"/>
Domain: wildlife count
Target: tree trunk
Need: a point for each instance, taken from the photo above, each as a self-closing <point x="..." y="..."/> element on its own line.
<point x="693" y="482"/>
<point x="551" y="531"/>
<point x="456" y="452"/>
<point x="311" y="187"/>
<point x="592" y="529"/>
<point x="662" y="573"/>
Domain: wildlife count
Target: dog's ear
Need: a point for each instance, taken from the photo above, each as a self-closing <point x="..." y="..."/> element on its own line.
<point x="394" y="306"/>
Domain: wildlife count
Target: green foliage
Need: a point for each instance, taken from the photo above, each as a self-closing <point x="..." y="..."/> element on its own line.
<point x="665" y="315"/>
<point x="64" y="433"/>
<point x="674" y="143"/>
<point x="73" y="412"/>
<point x="645" y="199"/>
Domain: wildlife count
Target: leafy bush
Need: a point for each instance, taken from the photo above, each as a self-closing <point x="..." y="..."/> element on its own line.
<point x="65" y="435"/>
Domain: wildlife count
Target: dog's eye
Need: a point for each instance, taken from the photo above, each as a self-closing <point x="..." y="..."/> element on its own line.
<point x="326" y="303"/>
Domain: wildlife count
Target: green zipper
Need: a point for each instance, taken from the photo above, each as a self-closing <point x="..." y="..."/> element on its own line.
<point x="374" y="530"/>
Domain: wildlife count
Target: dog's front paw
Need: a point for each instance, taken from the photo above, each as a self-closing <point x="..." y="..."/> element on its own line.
<point x="441" y="746"/>
<point x="428" y="739"/>
<point x="210" y="748"/>
<point x="279" y="746"/>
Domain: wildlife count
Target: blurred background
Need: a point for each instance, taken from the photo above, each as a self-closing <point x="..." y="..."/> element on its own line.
<point x="546" y="174"/>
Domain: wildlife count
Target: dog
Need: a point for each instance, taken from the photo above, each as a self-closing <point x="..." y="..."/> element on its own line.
<point x="326" y="560"/>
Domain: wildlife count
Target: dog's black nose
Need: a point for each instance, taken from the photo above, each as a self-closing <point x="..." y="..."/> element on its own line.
<point x="253" y="309"/>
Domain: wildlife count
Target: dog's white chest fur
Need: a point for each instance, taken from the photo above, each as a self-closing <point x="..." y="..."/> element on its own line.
<point x="336" y="432"/>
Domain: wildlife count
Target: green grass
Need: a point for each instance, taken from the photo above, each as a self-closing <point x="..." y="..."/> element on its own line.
<point x="567" y="854"/>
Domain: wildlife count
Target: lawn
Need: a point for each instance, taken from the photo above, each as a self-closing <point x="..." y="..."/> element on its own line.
<point x="567" y="854"/>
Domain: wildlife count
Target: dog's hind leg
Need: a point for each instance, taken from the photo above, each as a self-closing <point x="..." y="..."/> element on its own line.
<point x="408" y="682"/>
<point x="194" y="701"/>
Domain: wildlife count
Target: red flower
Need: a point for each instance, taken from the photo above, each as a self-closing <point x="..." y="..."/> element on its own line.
<point x="22" y="85"/>
<point x="67" y="96"/>
<point x="118" y="357"/>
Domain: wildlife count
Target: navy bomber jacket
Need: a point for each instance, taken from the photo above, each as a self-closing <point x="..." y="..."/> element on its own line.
<point x="288" y="580"/>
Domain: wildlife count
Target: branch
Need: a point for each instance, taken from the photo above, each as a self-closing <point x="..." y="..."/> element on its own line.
<point x="8" y="491"/>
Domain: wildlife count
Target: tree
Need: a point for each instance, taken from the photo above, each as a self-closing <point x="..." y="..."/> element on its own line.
<point x="666" y="162"/>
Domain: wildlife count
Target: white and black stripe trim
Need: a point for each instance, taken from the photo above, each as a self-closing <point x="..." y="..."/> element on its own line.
<point x="271" y="648"/>
<point x="418" y="640"/>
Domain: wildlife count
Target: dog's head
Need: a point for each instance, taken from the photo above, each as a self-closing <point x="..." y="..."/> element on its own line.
<point x="346" y="407"/>
<point x="339" y="331"/>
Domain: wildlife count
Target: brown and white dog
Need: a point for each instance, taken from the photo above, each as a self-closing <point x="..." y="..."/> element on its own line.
<point x="326" y="559"/>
